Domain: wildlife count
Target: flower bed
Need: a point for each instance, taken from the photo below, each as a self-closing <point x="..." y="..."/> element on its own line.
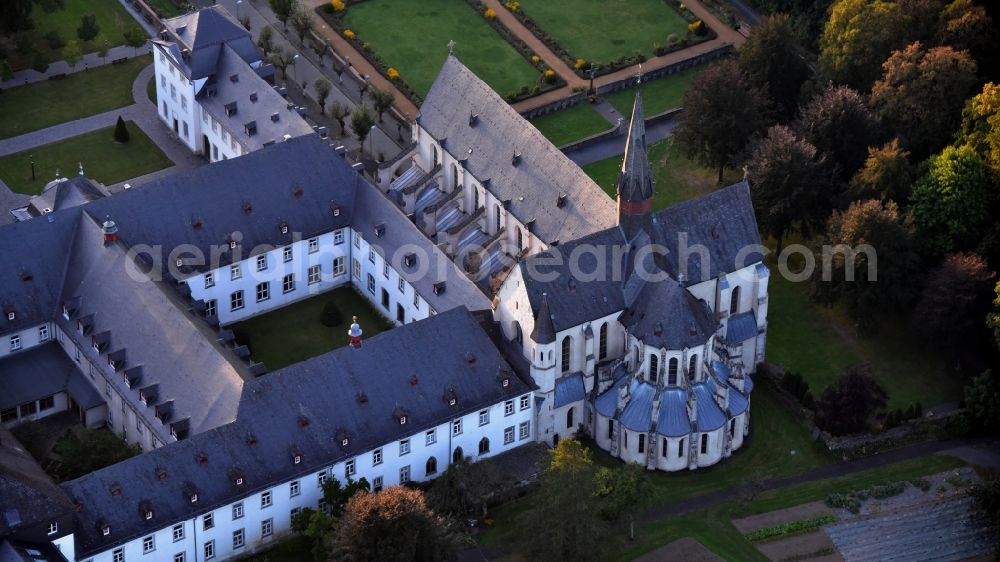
<point x="697" y="33"/>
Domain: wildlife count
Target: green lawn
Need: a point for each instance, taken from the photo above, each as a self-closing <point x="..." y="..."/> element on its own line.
<point x="570" y="125"/>
<point x="112" y="19"/>
<point x="294" y="549"/>
<point x="412" y="37"/>
<point x="604" y="30"/>
<point x="657" y="95"/>
<point x="165" y="8"/>
<point x="294" y="332"/>
<point x="677" y="178"/>
<point x="103" y="160"/>
<point x="36" y="106"/>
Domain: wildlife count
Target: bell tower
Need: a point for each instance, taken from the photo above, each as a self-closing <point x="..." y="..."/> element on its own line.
<point x="635" y="179"/>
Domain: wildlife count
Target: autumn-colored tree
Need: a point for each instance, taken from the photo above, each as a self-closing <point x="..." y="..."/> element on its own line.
<point x="622" y="491"/>
<point x="866" y="259"/>
<point x="951" y="203"/>
<point x="954" y="301"/>
<point x="775" y="62"/>
<point x="319" y="525"/>
<point x="851" y="402"/>
<point x="921" y="94"/>
<point x="722" y="110"/>
<point x="839" y="124"/>
<point x="858" y="37"/>
<point x="566" y="508"/>
<point x="392" y="525"/>
<point x="981" y="126"/>
<point x="788" y="183"/>
<point x="922" y="19"/>
<point x="963" y="25"/>
<point x="887" y="174"/>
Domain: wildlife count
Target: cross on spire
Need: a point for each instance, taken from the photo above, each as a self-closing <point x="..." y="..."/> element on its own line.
<point x="451" y="47"/>
<point x="638" y="75"/>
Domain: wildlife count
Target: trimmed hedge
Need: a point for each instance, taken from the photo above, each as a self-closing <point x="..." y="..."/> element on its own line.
<point x="851" y="501"/>
<point x="789" y="528"/>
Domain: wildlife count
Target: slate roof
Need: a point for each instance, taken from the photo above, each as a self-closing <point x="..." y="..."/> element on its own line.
<point x="542" y="172"/>
<point x="16" y="551"/>
<point x="64" y="193"/>
<point x="256" y="102"/>
<point x="741" y="327"/>
<point x="307" y="408"/>
<point x="668" y="316"/>
<point x="153" y="330"/>
<point x="710" y="416"/>
<point x="635" y="180"/>
<point x="637" y="413"/>
<point x="203" y="33"/>
<point x="42" y="371"/>
<point x="569" y="389"/>
<point x="249" y="195"/>
<point x="401" y="237"/>
<point x="24" y="486"/>
<point x="674" y="420"/>
<point x="31" y="283"/>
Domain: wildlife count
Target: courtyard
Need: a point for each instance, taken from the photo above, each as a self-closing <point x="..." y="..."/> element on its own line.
<point x="659" y="95"/>
<point x="570" y="125"/>
<point x="601" y="31"/>
<point x="413" y="37"/>
<point x="296" y="332"/>
<point x="103" y="160"/>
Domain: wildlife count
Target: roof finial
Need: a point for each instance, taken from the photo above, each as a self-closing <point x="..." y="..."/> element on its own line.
<point x="57" y="173"/>
<point x="638" y="75"/>
<point x="451" y="47"/>
<point x="81" y="168"/>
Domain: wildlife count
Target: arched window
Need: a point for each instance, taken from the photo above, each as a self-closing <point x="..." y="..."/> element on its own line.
<point x="642" y="442"/>
<point x="457" y="456"/>
<point x="484" y="446"/>
<point x="569" y="417"/>
<point x="520" y="239"/>
<point x="516" y="328"/>
<point x="499" y="226"/>
<point x="435" y="160"/>
<point x="704" y="443"/>
<point x="431" y="467"/>
<point x="734" y="301"/>
<point x="475" y="199"/>
<point x="693" y="367"/>
<point x="672" y="371"/>
<point x="602" y="342"/>
<point x="567" y="345"/>
<point x="654" y="367"/>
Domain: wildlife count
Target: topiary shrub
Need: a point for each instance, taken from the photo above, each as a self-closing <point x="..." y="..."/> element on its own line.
<point x="121" y="131"/>
<point x="331" y="317"/>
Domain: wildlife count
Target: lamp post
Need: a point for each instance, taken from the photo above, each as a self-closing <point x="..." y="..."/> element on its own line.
<point x="295" y="58"/>
<point x="371" y="141"/>
<point x="32" y="157"/>
<point x="238" y="2"/>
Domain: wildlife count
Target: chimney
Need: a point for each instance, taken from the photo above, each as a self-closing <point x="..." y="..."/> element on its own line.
<point x="355" y="333"/>
<point x="110" y="231"/>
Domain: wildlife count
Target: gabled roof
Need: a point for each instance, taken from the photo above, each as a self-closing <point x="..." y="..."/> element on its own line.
<point x="306" y="409"/>
<point x="522" y="166"/>
<point x="312" y="191"/>
<point x="42" y="371"/>
<point x="64" y="193"/>
<point x="203" y="33"/>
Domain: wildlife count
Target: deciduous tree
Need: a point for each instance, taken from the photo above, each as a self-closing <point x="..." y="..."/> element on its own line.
<point x="361" y="123"/>
<point x="135" y="38"/>
<point x="466" y="487"/>
<point x="15" y="15"/>
<point x="283" y="10"/>
<point x="858" y="37"/>
<point x="851" y="402"/>
<point x="88" y="28"/>
<point x="72" y="53"/>
<point x="993" y="320"/>
<point x="839" y="124"/>
<point x="382" y="100"/>
<point x="722" y="110"/>
<point x="887" y="174"/>
<point x="921" y="94"/>
<point x="981" y="126"/>
<point x="265" y="40"/>
<point x="301" y="22"/>
<point x="951" y="203"/>
<point x="622" y="491"/>
<point x="982" y="399"/>
<point x="954" y="301"/>
<point x="323" y="87"/>
<point x="788" y="183"/>
<point x="340" y="112"/>
<point x="963" y="25"/>
<point x="775" y="62"/>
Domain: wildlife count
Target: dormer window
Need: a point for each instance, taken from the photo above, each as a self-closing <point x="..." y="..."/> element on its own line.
<point x="345" y="442"/>
<point x="284" y="228"/>
<point x="194" y="497"/>
<point x="402" y="420"/>
<point x="239" y="480"/>
<point x="93" y="343"/>
<point x="452" y="401"/>
<point x="116" y="490"/>
<point x="505" y="382"/>
<point x="65" y="312"/>
<point x="296" y="459"/>
<point x="142" y="397"/>
<point x="409" y="260"/>
<point x="149" y="514"/>
<point x="232" y="244"/>
<point x="10" y="315"/>
<point x="79" y="326"/>
<point x="105" y="529"/>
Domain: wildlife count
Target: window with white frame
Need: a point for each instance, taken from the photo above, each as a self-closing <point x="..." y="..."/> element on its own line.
<point x="262" y="262"/>
<point x="237" y="510"/>
<point x="377" y="484"/>
<point x="15" y="342"/>
<point x="43" y="332"/>
<point x="314" y="274"/>
<point x="338" y="266"/>
<point x="371" y="284"/>
<point x="180" y="557"/>
<point x="385" y="269"/>
<point x="236" y="300"/>
<point x="267" y="527"/>
<point x="508" y="407"/>
<point x="288" y="283"/>
<point x="313" y="245"/>
<point x="118" y="555"/>
<point x="456" y="427"/>
<point x="338" y="237"/>
<point x="209" y="280"/>
<point x="350" y="467"/>
<point x="210" y="550"/>
<point x="235" y="272"/>
<point x="286" y="253"/>
<point x="484" y="417"/>
<point x="416" y="300"/>
<point x="371" y="255"/>
<point x="402" y="285"/>
<point x="525" y="402"/>
<point x="207" y="522"/>
<point x="266" y="499"/>
<point x="508" y="435"/>
<point x="211" y="307"/>
<point x="239" y="538"/>
<point x="524" y="430"/>
<point x="322" y="477"/>
<point x="356" y="268"/>
<point x="404" y="474"/>
<point x="148" y="544"/>
<point x="430" y="437"/>
<point x="178" y="532"/>
<point x="404" y="447"/>
<point x="376" y="457"/>
<point x="357" y="240"/>
<point x="293" y="488"/>
<point x="53" y="528"/>
<point x="263" y="291"/>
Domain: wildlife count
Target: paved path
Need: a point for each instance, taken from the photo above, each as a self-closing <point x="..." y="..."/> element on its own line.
<point x="615" y="146"/>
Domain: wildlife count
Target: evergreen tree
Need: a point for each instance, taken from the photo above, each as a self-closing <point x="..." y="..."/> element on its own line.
<point x="121" y="131"/>
<point x="88" y="29"/>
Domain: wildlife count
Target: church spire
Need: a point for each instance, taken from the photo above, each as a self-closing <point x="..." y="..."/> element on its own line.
<point x="635" y="179"/>
<point x="544" y="331"/>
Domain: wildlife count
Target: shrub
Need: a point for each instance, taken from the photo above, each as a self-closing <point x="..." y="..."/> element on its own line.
<point x="698" y="28"/>
<point x="88" y="28"/>
<point x="490" y="13"/>
<point x="54" y="40"/>
<point x="512" y="6"/>
<point x="536" y="59"/>
<point x="327" y="9"/>
<point x="331" y="316"/>
<point x="121" y="131"/>
<point x="392" y="73"/>
<point x="39" y="63"/>
<point x="6" y="72"/>
<point x="924" y="484"/>
<point x="580" y="64"/>
<point x="550" y="76"/>
<point x="50" y="6"/>
<point x="789" y="528"/>
<point x="337" y="5"/>
<point x="349" y="34"/>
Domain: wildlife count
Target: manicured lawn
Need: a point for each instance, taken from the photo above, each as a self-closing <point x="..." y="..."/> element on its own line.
<point x="657" y="95"/>
<point x="412" y="37"/>
<point x="569" y="125"/>
<point x="604" y="30"/>
<point x="103" y="160"/>
<point x="112" y="19"/>
<point x="820" y="342"/>
<point x="36" y="106"/>
<point x="294" y="332"/>
<point x="677" y="178"/>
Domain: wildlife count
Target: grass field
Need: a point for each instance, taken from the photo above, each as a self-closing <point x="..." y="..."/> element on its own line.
<point x="677" y="178"/>
<point x="413" y="37"/>
<point x="570" y="125"/>
<point x="36" y="106"/>
<point x="604" y="30"/>
<point x="657" y="95"/>
<point x="112" y="19"/>
<point x="103" y="160"/>
<point x="294" y="332"/>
